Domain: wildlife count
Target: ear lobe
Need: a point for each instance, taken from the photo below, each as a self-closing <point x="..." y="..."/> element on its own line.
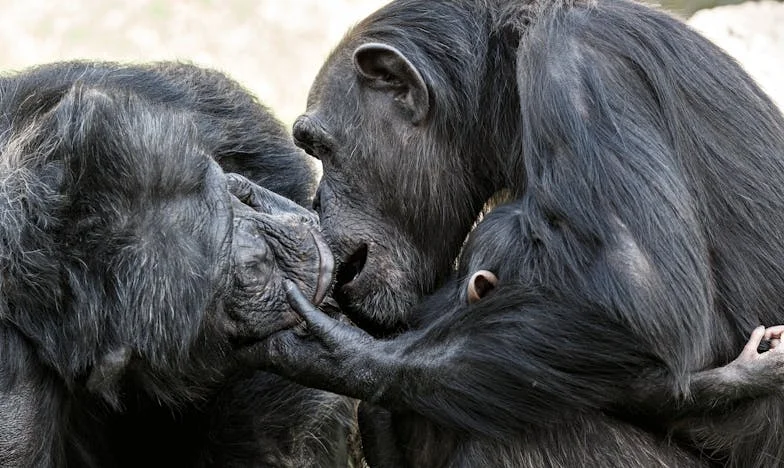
<point x="481" y="283"/>
<point x="387" y="68"/>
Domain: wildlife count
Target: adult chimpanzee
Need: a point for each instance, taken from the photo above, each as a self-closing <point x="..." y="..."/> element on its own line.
<point x="132" y="268"/>
<point x="648" y="165"/>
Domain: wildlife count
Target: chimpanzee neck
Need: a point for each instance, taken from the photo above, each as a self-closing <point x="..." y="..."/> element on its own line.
<point x="499" y="105"/>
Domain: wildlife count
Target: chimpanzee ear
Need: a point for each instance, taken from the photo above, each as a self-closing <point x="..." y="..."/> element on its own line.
<point x="481" y="283"/>
<point x="387" y="68"/>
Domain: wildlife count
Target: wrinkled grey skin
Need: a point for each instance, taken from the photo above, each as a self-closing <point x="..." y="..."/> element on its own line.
<point x="267" y="239"/>
<point x="273" y="239"/>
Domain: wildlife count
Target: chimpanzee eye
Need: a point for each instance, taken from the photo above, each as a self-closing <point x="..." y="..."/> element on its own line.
<point x="259" y="259"/>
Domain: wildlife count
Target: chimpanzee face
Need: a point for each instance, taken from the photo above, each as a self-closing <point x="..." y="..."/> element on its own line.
<point x="138" y="250"/>
<point x="188" y="250"/>
<point x="397" y="195"/>
<point x="273" y="239"/>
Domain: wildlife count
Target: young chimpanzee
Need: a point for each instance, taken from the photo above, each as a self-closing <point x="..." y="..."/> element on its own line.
<point x="445" y="374"/>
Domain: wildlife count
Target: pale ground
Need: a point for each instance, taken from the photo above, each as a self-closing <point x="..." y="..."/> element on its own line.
<point x="273" y="47"/>
<point x="753" y="33"/>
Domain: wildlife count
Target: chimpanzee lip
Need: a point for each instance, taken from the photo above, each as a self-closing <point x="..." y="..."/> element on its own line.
<point x="326" y="268"/>
<point x="352" y="267"/>
<point x="346" y="281"/>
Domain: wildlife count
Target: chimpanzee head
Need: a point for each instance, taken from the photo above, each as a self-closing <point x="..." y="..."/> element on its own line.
<point x="127" y="248"/>
<point x="497" y="251"/>
<point x="394" y="116"/>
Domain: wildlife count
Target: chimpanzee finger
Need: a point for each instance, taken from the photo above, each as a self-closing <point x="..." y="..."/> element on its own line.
<point x="750" y="350"/>
<point x="319" y="323"/>
<point x="240" y="187"/>
<point x="774" y="333"/>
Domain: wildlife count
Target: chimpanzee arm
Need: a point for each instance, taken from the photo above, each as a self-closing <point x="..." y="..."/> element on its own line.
<point x="493" y="368"/>
<point x="470" y="369"/>
<point x="757" y="372"/>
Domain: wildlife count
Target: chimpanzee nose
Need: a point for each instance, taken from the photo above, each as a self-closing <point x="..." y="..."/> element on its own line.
<point x="301" y="133"/>
<point x="248" y="196"/>
<point x="310" y="135"/>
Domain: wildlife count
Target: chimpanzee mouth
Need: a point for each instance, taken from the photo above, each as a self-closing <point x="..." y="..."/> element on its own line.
<point x="352" y="267"/>
<point x="346" y="275"/>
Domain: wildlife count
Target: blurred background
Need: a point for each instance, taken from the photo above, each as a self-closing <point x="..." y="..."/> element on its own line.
<point x="275" y="47"/>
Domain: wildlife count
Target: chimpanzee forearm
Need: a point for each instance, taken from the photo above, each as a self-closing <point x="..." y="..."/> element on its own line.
<point x="548" y="363"/>
<point x="455" y="372"/>
<point x="753" y="374"/>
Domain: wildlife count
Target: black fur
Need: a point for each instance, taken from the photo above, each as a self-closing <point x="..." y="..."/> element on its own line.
<point x="647" y="167"/>
<point x="447" y="361"/>
<point x="130" y="271"/>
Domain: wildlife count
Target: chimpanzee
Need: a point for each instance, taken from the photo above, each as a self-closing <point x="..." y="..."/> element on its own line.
<point x="133" y="268"/>
<point x="648" y="166"/>
<point x="493" y="294"/>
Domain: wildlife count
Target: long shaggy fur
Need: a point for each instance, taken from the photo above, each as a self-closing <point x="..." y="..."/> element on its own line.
<point x="114" y="255"/>
<point x="647" y="168"/>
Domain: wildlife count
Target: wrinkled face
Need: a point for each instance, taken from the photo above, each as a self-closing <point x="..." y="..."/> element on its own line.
<point x="199" y="274"/>
<point x="397" y="195"/>
<point x="203" y="259"/>
<point x="136" y="251"/>
<point x="273" y="239"/>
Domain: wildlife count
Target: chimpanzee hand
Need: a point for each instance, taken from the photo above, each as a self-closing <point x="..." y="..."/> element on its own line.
<point x="335" y="336"/>
<point x="757" y="372"/>
<point x="329" y="354"/>
<point x="761" y="357"/>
